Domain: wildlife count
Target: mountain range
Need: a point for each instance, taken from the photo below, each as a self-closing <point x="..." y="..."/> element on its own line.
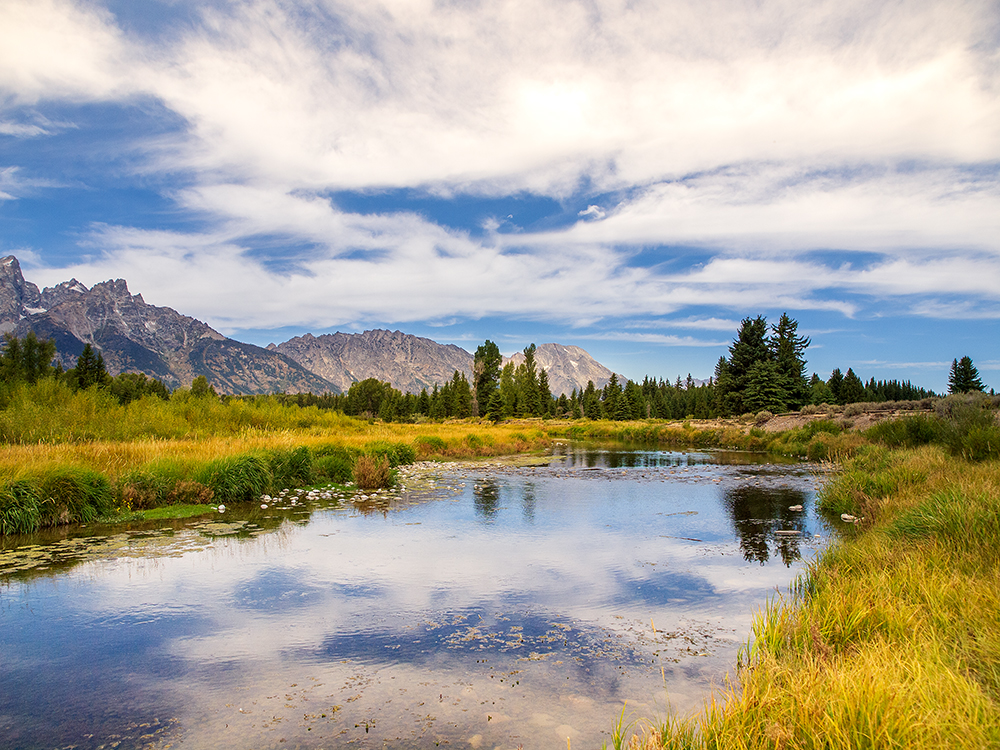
<point x="134" y="336"/>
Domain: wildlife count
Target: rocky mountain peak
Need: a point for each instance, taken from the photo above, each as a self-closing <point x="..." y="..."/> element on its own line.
<point x="67" y="290"/>
<point x="17" y="296"/>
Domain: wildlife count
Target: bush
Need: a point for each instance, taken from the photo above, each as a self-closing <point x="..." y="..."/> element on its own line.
<point x="909" y="432"/>
<point x="140" y="490"/>
<point x="763" y="417"/>
<point x="970" y="429"/>
<point x="372" y="472"/>
<point x="74" y="495"/>
<point x="237" y="478"/>
<point x="430" y="444"/>
<point x="336" y="467"/>
<point x="189" y="493"/>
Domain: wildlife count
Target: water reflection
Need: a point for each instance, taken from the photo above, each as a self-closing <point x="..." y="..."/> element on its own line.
<point x="486" y="497"/>
<point x="518" y="607"/>
<point x="757" y="513"/>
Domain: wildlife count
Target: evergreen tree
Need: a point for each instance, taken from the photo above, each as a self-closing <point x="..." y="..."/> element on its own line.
<point x="201" y="388"/>
<point x="611" y="397"/>
<point x="508" y="391"/>
<point x="526" y="377"/>
<point x="749" y="348"/>
<point x="852" y="390"/>
<point x="836" y="383"/>
<point x="819" y="391"/>
<point x="591" y="402"/>
<point x="788" y="349"/>
<point x="964" y="377"/>
<point x="763" y="388"/>
<point x="461" y="396"/>
<point x="28" y="360"/>
<point x="485" y="375"/>
<point x="545" y="400"/>
<point x="89" y="370"/>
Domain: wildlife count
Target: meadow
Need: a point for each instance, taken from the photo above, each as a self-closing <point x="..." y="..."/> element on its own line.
<point x="77" y="456"/>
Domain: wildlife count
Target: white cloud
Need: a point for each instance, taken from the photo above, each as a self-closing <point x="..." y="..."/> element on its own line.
<point x="757" y="133"/>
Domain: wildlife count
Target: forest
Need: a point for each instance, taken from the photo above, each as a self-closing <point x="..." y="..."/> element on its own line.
<point x="765" y="371"/>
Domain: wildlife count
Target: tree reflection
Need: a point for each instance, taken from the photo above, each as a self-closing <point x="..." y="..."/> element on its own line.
<point x="756" y="512"/>
<point x="486" y="496"/>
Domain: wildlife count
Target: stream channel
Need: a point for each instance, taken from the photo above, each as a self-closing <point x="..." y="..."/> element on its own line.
<point x="482" y="605"/>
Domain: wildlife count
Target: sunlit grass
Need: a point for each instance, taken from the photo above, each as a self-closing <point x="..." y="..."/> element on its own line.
<point x="892" y="639"/>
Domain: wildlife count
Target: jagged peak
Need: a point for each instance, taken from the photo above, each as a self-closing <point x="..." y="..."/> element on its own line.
<point x="67" y="286"/>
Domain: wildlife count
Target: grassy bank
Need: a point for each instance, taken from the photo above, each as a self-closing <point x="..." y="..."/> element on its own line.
<point x="47" y="484"/>
<point x="892" y="640"/>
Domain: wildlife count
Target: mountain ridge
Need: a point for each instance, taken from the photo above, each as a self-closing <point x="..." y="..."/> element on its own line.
<point x="175" y="348"/>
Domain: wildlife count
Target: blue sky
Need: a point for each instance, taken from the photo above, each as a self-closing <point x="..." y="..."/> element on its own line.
<point x="630" y="177"/>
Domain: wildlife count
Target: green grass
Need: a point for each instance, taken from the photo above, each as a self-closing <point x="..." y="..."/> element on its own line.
<point x="892" y="639"/>
<point x="174" y="511"/>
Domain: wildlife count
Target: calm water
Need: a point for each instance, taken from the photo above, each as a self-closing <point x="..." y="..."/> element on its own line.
<point x="490" y="606"/>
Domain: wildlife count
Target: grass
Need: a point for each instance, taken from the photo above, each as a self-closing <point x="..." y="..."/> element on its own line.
<point x="892" y="639"/>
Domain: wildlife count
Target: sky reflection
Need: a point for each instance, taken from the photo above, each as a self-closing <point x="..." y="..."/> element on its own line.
<point x="523" y="606"/>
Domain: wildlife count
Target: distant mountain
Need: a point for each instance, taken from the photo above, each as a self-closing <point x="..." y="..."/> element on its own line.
<point x="136" y="337"/>
<point x="568" y="367"/>
<point x="409" y="363"/>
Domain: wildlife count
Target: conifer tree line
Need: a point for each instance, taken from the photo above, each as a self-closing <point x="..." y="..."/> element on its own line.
<point x="765" y="370"/>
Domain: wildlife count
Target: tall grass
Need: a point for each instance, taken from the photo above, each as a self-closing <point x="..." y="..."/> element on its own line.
<point x="892" y="639"/>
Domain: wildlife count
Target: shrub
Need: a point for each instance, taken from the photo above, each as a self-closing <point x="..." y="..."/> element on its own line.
<point x="337" y="467"/>
<point x="187" y="492"/>
<point x="372" y="472"/>
<point x="19" y="508"/>
<point x="910" y="431"/>
<point x="237" y="478"/>
<point x="74" y="495"/>
<point x="430" y="444"/>
<point x="969" y="428"/>
<point x="763" y="417"/>
<point x="140" y="490"/>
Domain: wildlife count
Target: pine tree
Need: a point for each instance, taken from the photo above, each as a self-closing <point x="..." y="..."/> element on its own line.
<point x="763" y="389"/>
<point x="749" y="348"/>
<point x="964" y="377"/>
<point x="89" y="370"/>
<point x="852" y="390"/>
<point x="485" y="375"/>
<point x="26" y="360"/>
<point x="836" y="383"/>
<point x="787" y="349"/>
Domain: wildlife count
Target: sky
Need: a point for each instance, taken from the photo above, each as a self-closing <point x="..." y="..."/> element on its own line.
<point x="627" y="176"/>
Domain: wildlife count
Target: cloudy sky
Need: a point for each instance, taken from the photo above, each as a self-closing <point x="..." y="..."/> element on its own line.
<point x="630" y="176"/>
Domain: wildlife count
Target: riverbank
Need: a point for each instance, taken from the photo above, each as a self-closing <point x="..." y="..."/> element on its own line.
<point x="67" y="467"/>
<point x="892" y="639"/>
